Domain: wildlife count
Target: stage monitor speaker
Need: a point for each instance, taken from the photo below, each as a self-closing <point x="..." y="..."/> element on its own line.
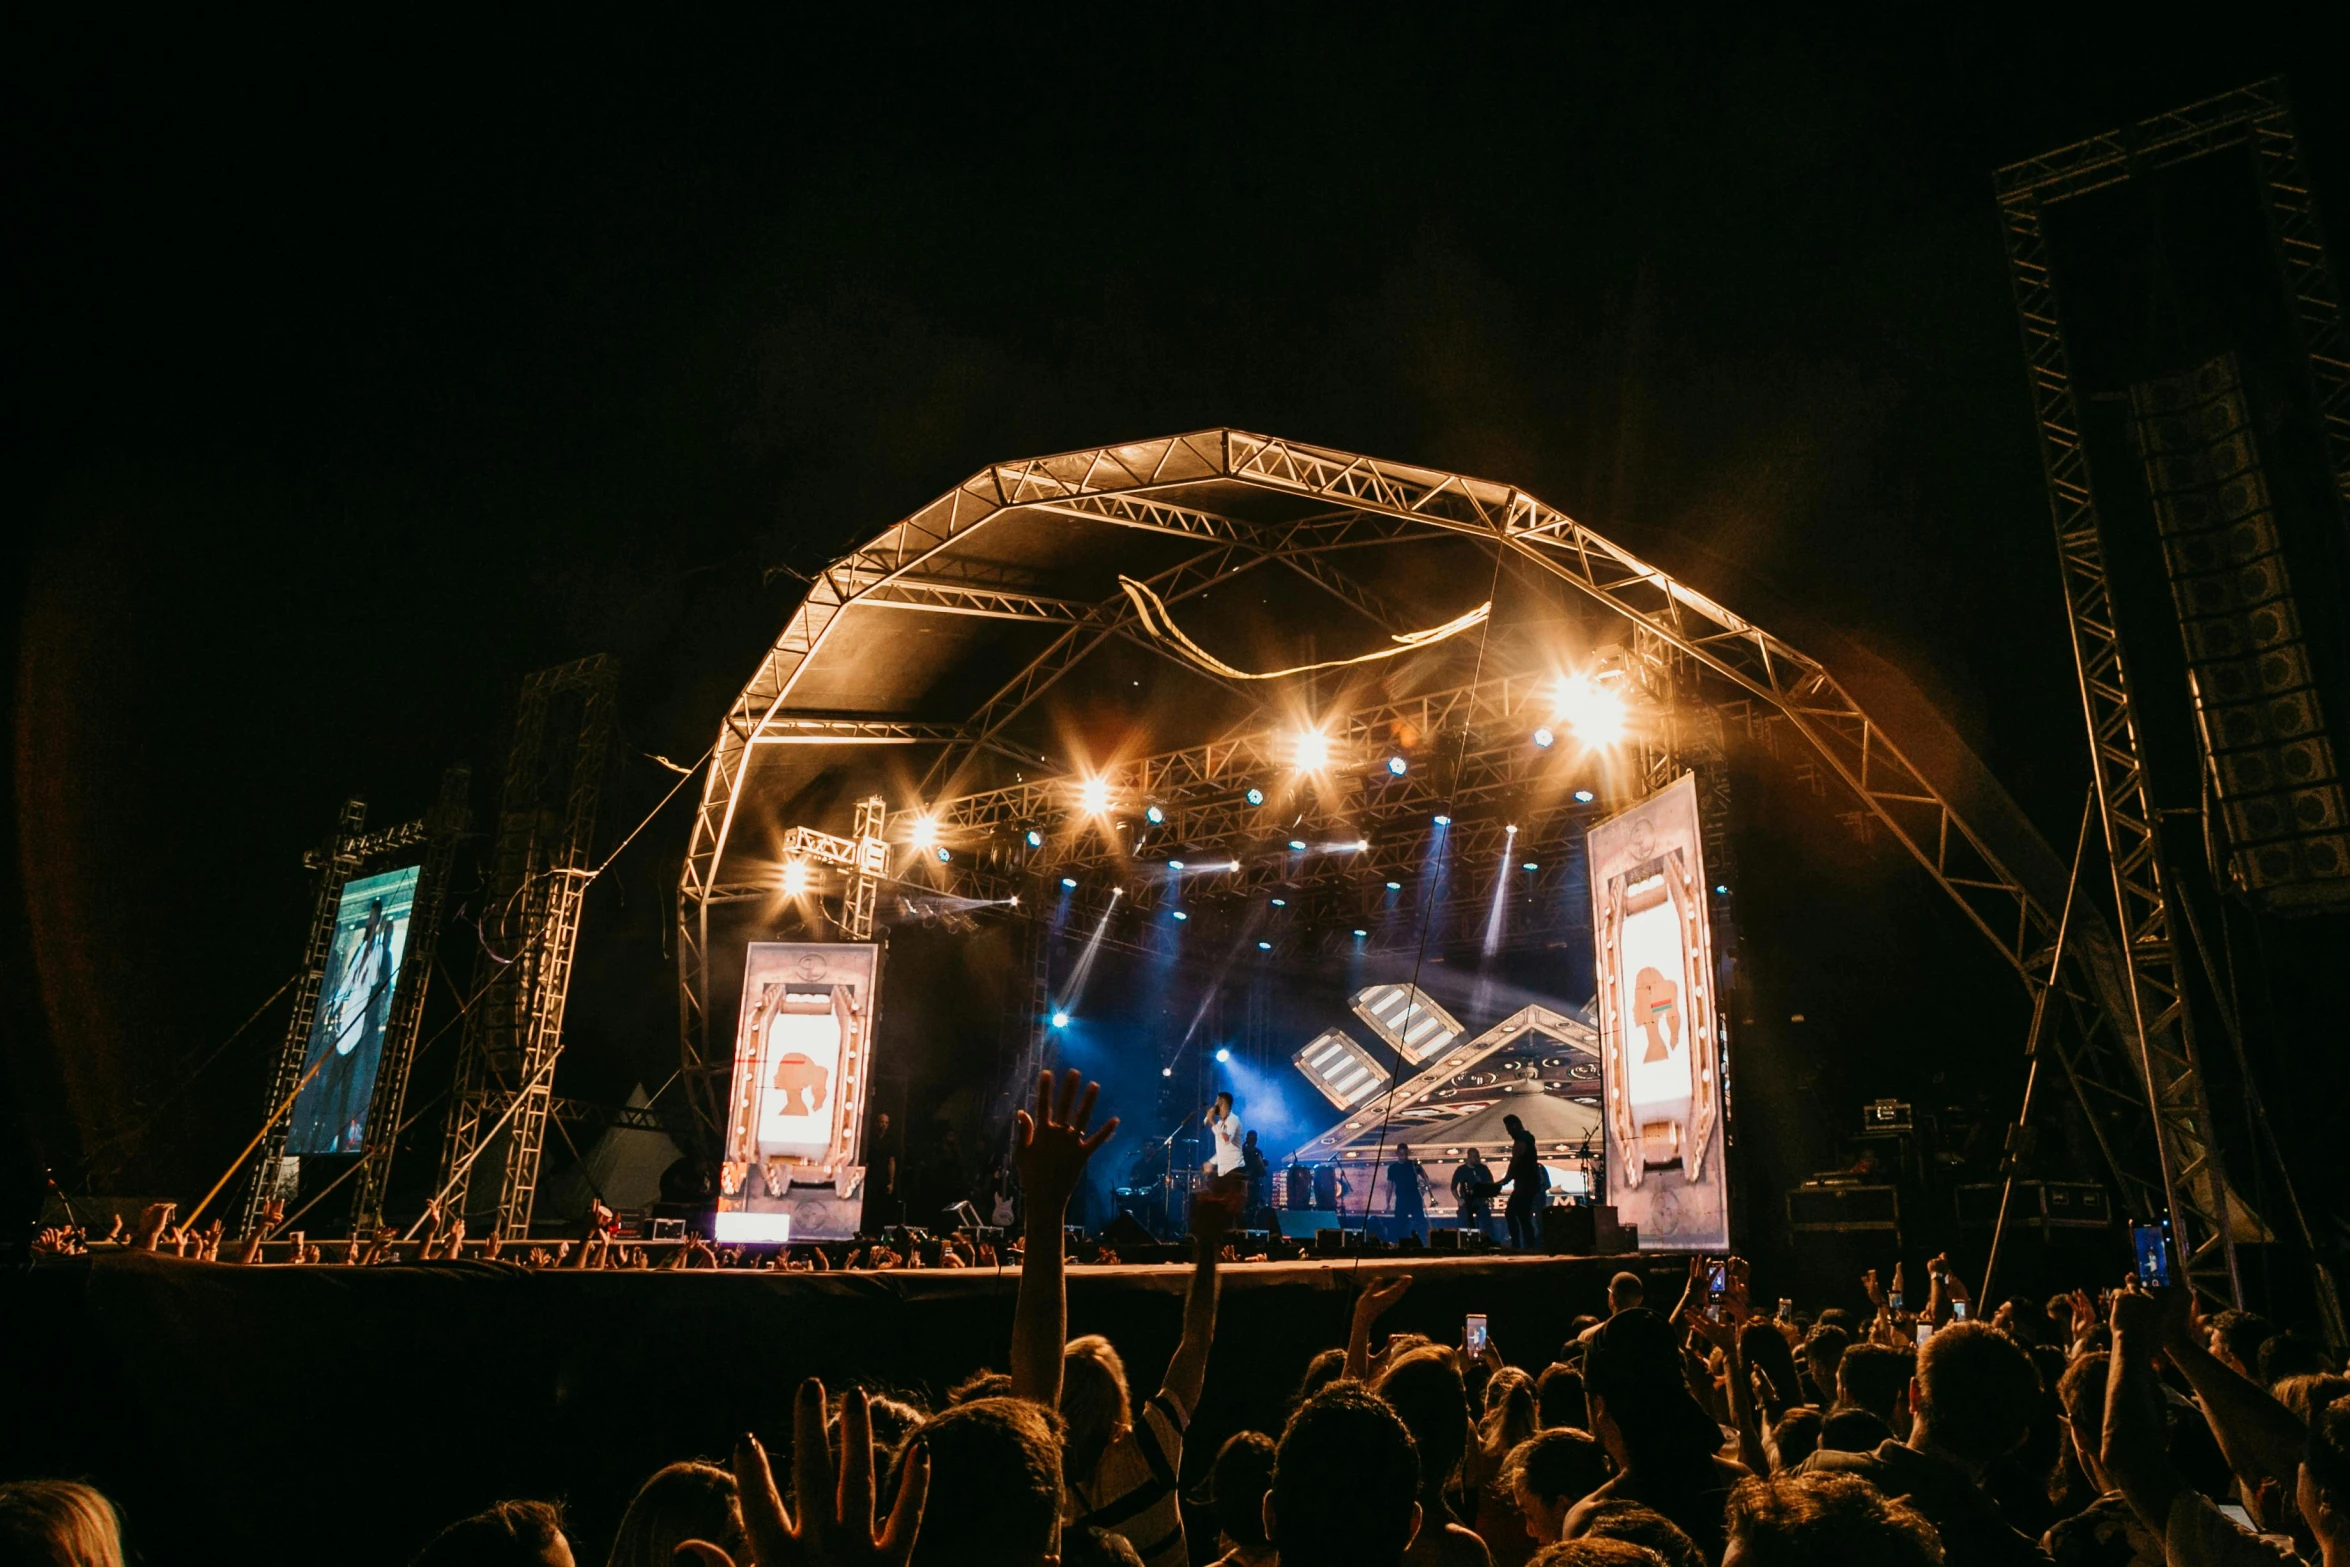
<point x="1307" y="1221"/>
<point x="1444" y="1240"/>
<point x="2268" y="763"/>
<point x="1570" y="1230"/>
<point x="1335" y="1242"/>
<point x="1842" y="1207"/>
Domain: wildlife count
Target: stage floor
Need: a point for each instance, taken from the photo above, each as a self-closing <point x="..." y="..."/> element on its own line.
<point x="364" y="1407"/>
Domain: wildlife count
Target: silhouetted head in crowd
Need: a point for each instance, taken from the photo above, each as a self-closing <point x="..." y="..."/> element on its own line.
<point x="1558" y="1398"/>
<point x="2323" y="1487"/>
<point x="1644" y="1527"/>
<point x="2080" y="1392"/>
<point x="1424" y="1388"/>
<point x="1876" y="1377"/>
<point x="1796" y="1437"/>
<point x="1838" y="1317"/>
<point x="2290" y="1355"/>
<point x="1641" y="1409"/>
<point x="1975" y="1396"/>
<point x="1345" y="1483"/>
<point x="1548" y="1474"/>
<point x="1094" y="1405"/>
<point x="690" y="1501"/>
<point x="1595" y="1553"/>
<point x="2236" y="1336"/>
<point x="1625" y="1291"/>
<point x="1824" y="1520"/>
<point x="982" y="1383"/>
<point x="1324" y="1369"/>
<point x="1850" y="1430"/>
<point x="2307" y="1395"/>
<point x="995" y="1485"/>
<point x="510" y="1534"/>
<point x="1823" y="1349"/>
<point x="58" y="1521"/>
<point x="1765" y="1348"/>
<point x="1243" y="1473"/>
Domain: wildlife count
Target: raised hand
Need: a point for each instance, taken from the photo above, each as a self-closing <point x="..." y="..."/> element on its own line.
<point x="1050" y="1147"/>
<point x="1372" y="1303"/>
<point x="1215" y="1208"/>
<point x="154" y="1219"/>
<point x="1876" y="1291"/>
<point x="834" y="1504"/>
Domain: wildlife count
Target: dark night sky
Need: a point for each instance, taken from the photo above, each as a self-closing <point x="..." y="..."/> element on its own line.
<point x="358" y="369"/>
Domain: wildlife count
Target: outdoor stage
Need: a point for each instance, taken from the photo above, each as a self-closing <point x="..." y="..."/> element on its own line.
<point x="369" y="1406"/>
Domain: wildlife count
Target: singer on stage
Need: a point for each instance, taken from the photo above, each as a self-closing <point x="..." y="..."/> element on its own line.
<point x="1224" y="1127"/>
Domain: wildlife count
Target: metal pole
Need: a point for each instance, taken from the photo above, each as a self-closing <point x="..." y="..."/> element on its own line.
<point x="2064" y="927"/>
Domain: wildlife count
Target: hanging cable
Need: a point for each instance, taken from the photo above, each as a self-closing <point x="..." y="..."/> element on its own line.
<point x="1152" y="610"/>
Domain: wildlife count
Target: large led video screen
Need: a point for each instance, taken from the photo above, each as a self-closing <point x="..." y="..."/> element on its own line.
<point x="1659" y="1030"/>
<point x="354" y="1008"/>
<point x="795" y="1107"/>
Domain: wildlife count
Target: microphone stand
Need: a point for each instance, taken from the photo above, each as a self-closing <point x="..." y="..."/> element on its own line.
<point x="1167" y="1179"/>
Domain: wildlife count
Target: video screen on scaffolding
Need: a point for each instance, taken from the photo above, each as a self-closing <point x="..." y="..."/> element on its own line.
<point x="354" y="1008"/>
<point x="795" y="1107"/>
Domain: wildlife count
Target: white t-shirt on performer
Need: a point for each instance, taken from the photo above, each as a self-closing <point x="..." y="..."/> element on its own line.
<point x="1228" y="1135"/>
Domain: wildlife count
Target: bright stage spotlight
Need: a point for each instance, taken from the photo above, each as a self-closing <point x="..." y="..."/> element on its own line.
<point x="1180" y="915"/>
<point x="1529" y="866"/>
<point x="943" y="854"/>
<point x="1223" y="1054"/>
<point x="1264" y="946"/>
<point x="1255" y="796"/>
<point x="1069" y="882"/>
<point x="1356" y="847"/>
<point x="1310" y="751"/>
<point x="1297" y="845"/>
<point x="1153" y="815"/>
<point x="1395" y="886"/>
<point x="1544" y="738"/>
<point x="795" y="878"/>
<point x="1093" y="797"/>
<point x="1595" y="712"/>
<point x="1584" y="797"/>
<point x="1281" y="903"/>
<point x="922" y="832"/>
<point x="1174" y="865"/>
<point x="1166" y="1071"/>
<point x="1035" y="839"/>
<point x="1060" y="1020"/>
<point x="1443" y="820"/>
<point x="1397" y="766"/>
<point x="1722" y="888"/>
<point x="1360" y="933"/>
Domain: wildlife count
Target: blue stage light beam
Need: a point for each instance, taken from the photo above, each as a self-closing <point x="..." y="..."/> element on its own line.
<point x="1501" y="886"/>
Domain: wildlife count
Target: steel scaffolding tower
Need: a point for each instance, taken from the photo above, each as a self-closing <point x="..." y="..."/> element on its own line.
<point x="539" y="875"/>
<point x="336" y="864"/>
<point x="441" y="831"/>
<point x="2192" y="1176"/>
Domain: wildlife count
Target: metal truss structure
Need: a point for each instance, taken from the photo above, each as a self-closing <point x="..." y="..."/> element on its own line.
<point x="350" y="851"/>
<point x="1445" y="1090"/>
<point x="336" y="864"/>
<point x="539" y="874"/>
<point x="442" y="828"/>
<point x="1231" y="502"/>
<point x="2159" y="1023"/>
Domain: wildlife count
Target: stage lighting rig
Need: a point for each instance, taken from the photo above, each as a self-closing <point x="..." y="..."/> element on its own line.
<point x="922" y="832"/>
<point x="1310" y="751"/>
<point x="1593" y="707"/>
<point x="795" y="878"/>
<point x="1397" y="767"/>
<point x="1093" y="796"/>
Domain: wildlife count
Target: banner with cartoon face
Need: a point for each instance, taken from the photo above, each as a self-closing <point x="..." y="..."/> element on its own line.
<point x="793" y="1170"/>
<point x="1660" y="1031"/>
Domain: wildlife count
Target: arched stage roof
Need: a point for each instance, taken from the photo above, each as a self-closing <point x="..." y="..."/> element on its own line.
<point x="974" y="660"/>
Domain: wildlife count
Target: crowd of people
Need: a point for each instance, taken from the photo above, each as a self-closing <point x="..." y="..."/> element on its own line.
<point x="2115" y="1430"/>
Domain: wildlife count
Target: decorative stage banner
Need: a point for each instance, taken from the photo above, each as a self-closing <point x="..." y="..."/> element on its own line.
<point x="354" y="1004"/>
<point x="1660" y="1037"/>
<point x="796" y="1109"/>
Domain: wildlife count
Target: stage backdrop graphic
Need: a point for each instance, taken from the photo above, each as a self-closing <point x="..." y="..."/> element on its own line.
<point x="795" y="1114"/>
<point x="354" y="1004"/>
<point x="1660" y="1036"/>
